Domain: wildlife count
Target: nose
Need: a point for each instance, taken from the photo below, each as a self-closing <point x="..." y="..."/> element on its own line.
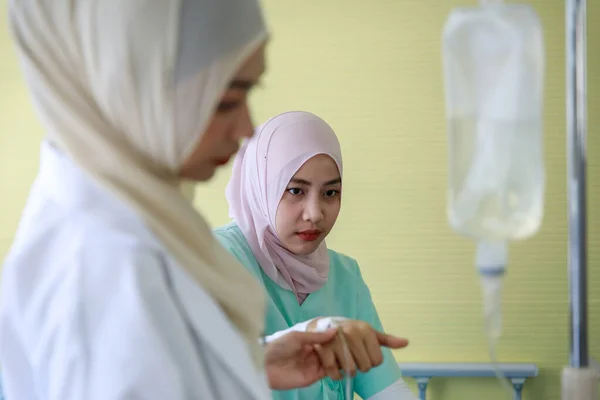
<point x="244" y="127"/>
<point x="313" y="212"/>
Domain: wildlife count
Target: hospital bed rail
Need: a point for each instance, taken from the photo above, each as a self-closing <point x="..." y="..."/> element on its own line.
<point x="422" y="373"/>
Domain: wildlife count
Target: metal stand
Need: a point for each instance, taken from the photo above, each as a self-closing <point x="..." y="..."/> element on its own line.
<point x="576" y="178"/>
<point x="579" y="382"/>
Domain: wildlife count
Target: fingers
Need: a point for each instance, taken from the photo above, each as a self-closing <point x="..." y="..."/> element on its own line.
<point x="373" y="349"/>
<point x="393" y="342"/>
<point x="343" y="353"/>
<point x="365" y="344"/>
<point x="358" y="350"/>
<point x="312" y="358"/>
<point x="329" y="361"/>
<point x="363" y="348"/>
<point x="335" y="358"/>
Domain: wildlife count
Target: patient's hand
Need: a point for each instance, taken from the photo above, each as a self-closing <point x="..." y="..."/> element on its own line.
<point x="364" y="346"/>
<point x="291" y="361"/>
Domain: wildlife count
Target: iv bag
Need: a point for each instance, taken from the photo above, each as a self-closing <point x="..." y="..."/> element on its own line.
<point x="493" y="59"/>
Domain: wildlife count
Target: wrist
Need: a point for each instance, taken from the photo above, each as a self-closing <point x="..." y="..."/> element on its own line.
<point x="321" y="324"/>
<point x="299" y="327"/>
<point x="312" y="325"/>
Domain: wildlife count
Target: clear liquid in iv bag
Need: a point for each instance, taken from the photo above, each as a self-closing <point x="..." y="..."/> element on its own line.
<point x="488" y="199"/>
<point x="494" y="72"/>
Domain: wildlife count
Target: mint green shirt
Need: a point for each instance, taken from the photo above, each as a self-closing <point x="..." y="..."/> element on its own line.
<point x="344" y="294"/>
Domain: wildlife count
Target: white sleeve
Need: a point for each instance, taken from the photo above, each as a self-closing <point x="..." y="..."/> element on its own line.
<point x="114" y="347"/>
<point x="396" y="391"/>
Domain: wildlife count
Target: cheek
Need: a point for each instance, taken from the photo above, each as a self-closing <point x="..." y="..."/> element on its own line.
<point x="333" y="210"/>
<point x="285" y="218"/>
<point x="215" y="132"/>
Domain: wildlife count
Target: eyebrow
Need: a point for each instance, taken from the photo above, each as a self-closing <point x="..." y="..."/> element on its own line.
<point x="242" y="84"/>
<point x="307" y="183"/>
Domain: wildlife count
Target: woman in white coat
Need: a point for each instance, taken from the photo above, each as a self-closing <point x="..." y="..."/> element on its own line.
<point x="114" y="287"/>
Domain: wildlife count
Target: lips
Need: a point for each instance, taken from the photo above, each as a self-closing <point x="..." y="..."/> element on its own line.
<point x="223" y="161"/>
<point x="309" y="236"/>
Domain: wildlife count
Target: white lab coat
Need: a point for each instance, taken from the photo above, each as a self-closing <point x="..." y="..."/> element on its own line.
<point x="94" y="308"/>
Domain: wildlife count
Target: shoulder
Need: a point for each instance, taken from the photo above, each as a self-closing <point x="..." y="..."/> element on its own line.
<point x="79" y="245"/>
<point x="74" y="267"/>
<point x="230" y="235"/>
<point x="344" y="271"/>
<point x="79" y="283"/>
<point x="343" y="264"/>
<point x="233" y="240"/>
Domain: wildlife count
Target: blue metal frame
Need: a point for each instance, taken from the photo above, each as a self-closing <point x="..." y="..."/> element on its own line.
<point x="517" y="373"/>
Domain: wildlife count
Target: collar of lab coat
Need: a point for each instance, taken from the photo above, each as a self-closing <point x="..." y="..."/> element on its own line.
<point x="72" y="187"/>
<point x="216" y="331"/>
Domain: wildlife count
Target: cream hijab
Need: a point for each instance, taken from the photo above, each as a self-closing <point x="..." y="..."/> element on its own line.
<point x="125" y="88"/>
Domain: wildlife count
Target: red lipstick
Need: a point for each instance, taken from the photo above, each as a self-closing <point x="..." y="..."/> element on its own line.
<point x="309" y="236"/>
<point x="222" y="161"/>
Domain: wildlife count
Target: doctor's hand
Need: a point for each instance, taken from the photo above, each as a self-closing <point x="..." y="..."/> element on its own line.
<point x="291" y="361"/>
<point x="363" y="345"/>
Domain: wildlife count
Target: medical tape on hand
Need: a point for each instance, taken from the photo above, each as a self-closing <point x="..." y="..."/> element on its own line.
<point x="326" y="323"/>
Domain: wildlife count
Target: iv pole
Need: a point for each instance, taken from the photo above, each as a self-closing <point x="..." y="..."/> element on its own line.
<point x="579" y="379"/>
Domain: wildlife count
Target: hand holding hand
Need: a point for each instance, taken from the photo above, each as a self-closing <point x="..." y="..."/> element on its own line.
<point x="363" y="345"/>
<point x="291" y="361"/>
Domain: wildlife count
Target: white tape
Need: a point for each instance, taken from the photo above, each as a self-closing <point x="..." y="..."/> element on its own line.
<point x="326" y="323"/>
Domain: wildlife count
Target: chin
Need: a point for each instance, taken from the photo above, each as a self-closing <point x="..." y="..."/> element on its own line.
<point x="304" y="249"/>
<point x="199" y="174"/>
<point x="205" y="174"/>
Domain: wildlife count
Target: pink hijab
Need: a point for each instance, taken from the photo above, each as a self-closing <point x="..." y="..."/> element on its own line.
<point x="261" y="171"/>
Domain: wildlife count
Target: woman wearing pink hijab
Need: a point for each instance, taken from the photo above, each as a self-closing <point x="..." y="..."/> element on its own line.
<point x="284" y="198"/>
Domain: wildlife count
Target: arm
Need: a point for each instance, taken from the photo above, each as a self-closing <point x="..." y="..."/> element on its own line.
<point x="383" y="382"/>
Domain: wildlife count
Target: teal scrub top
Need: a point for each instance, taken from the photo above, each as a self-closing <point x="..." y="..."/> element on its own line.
<point x="344" y="294"/>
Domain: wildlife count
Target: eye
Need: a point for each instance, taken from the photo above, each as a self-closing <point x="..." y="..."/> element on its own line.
<point x="294" y="191"/>
<point x="226" y="106"/>
<point x="332" y="193"/>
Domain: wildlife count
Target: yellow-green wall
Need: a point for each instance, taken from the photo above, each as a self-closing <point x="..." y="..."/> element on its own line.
<point x="373" y="70"/>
